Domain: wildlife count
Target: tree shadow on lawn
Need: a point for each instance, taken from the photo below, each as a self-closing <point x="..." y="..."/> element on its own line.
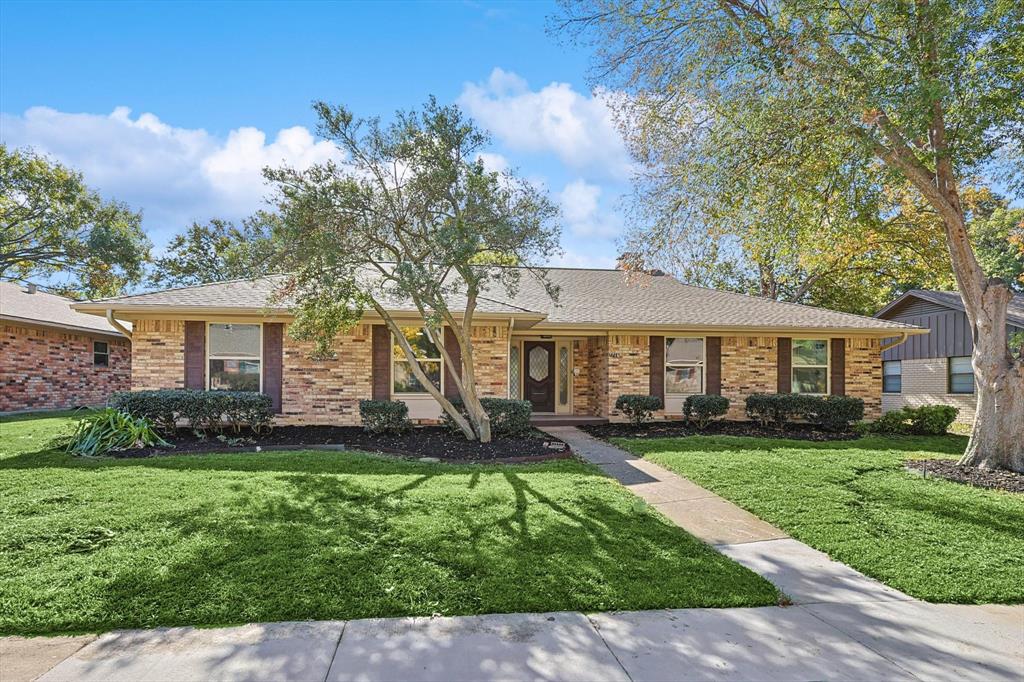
<point x="330" y="547"/>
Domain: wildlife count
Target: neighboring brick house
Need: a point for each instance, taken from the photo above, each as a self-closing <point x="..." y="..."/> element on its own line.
<point x="53" y="357"/>
<point x="607" y="335"/>
<point x="935" y="369"/>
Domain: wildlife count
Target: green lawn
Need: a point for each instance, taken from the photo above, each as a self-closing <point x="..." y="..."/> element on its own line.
<point x="933" y="539"/>
<point x="219" y="539"/>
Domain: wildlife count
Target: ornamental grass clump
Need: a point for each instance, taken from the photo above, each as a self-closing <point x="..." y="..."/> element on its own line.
<point x="109" y="430"/>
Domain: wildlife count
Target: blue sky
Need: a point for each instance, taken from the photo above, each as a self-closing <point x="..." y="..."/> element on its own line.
<point x="174" y="107"/>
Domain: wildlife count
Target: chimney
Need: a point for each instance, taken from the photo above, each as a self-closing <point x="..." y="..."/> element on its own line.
<point x="31" y="288"/>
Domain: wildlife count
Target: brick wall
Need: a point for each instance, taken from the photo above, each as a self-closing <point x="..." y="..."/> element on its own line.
<point x="864" y="374"/>
<point x="925" y="382"/>
<point x="158" y="354"/>
<point x="597" y="365"/>
<point x="749" y="365"/>
<point x="490" y="360"/>
<point x="583" y="399"/>
<point x="326" y="391"/>
<point x="53" y="369"/>
<point x="629" y="367"/>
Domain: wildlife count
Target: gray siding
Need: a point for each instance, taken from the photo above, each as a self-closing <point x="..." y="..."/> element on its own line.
<point x="950" y="336"/>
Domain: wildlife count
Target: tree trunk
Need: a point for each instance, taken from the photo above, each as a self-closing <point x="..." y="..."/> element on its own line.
<point x="997" y="440"/>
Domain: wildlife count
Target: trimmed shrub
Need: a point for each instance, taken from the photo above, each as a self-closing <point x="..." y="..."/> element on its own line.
<point x="777" y="408"/>
<point x="384" y="416"/>
<point x="927" y="420"/>
<point x="702" y="409"/>
<point x="203" y="410"/>
<point x="111" y="429"/>
<point x="834" y="412"/>
<point x="508" y="417"/>
<point x="638" y="408"/>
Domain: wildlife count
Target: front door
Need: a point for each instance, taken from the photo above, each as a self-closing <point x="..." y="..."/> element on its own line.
<point x="539" y="377"/>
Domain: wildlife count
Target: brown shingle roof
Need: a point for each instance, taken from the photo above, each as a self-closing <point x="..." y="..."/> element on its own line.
<point x="587" y="298"/>
<point x="49" y="309"/>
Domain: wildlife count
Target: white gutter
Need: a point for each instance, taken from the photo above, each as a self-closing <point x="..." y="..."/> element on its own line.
<point x="117" y="325"/>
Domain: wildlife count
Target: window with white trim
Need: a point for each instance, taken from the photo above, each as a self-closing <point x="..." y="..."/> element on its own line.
<point x="684" y="365"/>
<point x="427" y="354"/>
<point x="234" y="357"/>
<point x="961" y="375"/>
<point x="810" y="366"/>
<point x="100" y="354"/>
<point x="892" y="376"/>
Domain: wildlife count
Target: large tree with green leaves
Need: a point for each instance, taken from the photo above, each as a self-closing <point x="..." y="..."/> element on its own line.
<point x="841" y="98"/>
<point x="218" y="251"/>
<point x="408" y="217"/>
<point x="51" y="223"/>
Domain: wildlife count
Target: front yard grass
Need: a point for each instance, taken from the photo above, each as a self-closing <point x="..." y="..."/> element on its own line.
<point x="92" y="545"/>
<point x="933" y="539"/>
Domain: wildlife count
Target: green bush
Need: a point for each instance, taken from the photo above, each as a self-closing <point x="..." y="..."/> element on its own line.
<point x="638" y="408"/>
<point x="702" y="409"/>
<point x="927" y="420"/>
<point x="834" y="412"/>
<point x="203" y="410"/>
<point x="777" y="408"/>
<point x="508" y="417"/>
<point x="384" y="416"/>
<point x="108" y="430"/>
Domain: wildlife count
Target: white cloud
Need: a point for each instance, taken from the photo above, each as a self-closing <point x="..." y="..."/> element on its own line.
<point x="494" y="163"/>
<point x="579" y="129"/>
<point x="582" y="211"/>
<point x="175" y="175"/>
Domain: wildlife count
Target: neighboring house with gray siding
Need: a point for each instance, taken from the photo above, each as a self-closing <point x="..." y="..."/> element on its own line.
<point x="934" y="368"/>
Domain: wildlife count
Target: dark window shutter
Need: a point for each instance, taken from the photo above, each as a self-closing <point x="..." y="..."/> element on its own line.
<point x="785" y="365"/>
<point x="381" y="361"/>
<point x="838" y="368"/>
<point x="273" y="362"/>
<point x="657" y="367"/>
<point x="455" y="353"/>
<point x="713" y="364"/>
<point x="195" y="355"/>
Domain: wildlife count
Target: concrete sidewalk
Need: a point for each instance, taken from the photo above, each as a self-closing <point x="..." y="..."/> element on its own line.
<point x="859" y="641"/>
<point x="804" y="574"/>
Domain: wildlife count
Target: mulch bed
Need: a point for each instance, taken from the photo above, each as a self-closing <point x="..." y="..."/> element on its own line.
<point x="677" y="429"/>
<point x="425" y="441"/>
<point x="996" y="479"/>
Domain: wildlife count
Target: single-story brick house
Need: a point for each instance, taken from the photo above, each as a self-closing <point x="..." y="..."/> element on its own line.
<point x="53" y="357"/>
<point x="608" y="334"/>
<point x="935" y="369"/>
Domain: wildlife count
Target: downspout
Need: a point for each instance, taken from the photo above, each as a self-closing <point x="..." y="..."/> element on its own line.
<point x="117" y="325"/>
<point x="903" y="337"/>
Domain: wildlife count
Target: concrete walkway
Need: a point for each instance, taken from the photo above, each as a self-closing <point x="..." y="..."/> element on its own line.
<point x="857" y="641"/>
<point x="804" y="574"/>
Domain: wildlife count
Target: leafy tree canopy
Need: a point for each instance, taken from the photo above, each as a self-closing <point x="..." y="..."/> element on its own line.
<point x="218" y="251"/>
<point x="407" y="217"/>
<point x="51" y="223"/>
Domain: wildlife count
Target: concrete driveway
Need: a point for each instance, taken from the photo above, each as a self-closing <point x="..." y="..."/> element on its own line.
<point x="856" y="641"/>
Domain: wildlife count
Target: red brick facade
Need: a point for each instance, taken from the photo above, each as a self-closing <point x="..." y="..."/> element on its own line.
<point x="43" y="368"/>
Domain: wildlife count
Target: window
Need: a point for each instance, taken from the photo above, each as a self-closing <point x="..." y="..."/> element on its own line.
<point x="235" y="355"/>
<point x="961" y="375"/>
<point x="100" y="354"/>
<point x="429" y="357"/>
<point x="563" y="375"/>
<point x="892" y="376"/>
<point x="513" y="371"/>
<point x="684" y="366"/>
<point x="810" y="366"/>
